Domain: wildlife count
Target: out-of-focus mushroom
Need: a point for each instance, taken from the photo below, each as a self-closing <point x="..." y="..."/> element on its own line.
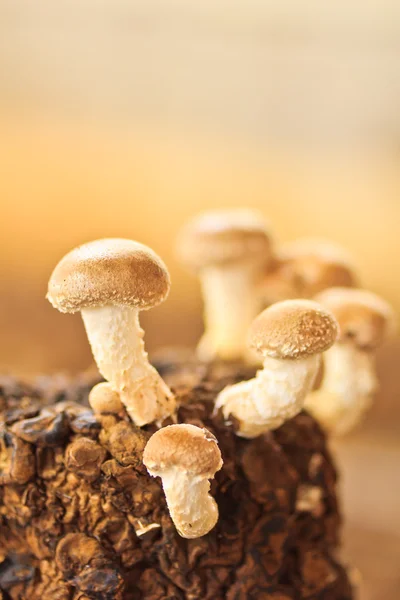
<point x="186" y="457"/>
<point x="349" y="382"/>
<point x="290" y="336"/>
<point x="230" y="250"/>
<point x="305" y="267"/>
<point x="110" y="281"/>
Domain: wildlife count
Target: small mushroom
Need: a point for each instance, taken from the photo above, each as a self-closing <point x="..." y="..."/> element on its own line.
<point x="305" y="267"/>
<point x="110" y="281"/>
<point x="290" y="336"/>
<point x="231" y="250"/>
<point x="104" y="400"/>
<point x="186" y="457"/>
<point x="142" y="528"/>
<point x="349" y="382"/>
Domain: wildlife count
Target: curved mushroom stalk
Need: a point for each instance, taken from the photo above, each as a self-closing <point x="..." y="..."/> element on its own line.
<point x="347" y="390"/>
<point x="230" y="305"/>
<point x="192" y="509"/>
<point x="123" y="362"/>
<point x="276" y="394"/>
<point x="109" y="281"/>
<point x="290" y="336"/>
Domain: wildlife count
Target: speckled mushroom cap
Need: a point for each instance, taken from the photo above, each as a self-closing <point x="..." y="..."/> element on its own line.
<point x="109" y="271"/>
<point x="293" y="329"/>
<point x="186" y="447"/>
<point x="312" y="265"/>
<point x="225" y="236"/>
<point x="364" y="318"/>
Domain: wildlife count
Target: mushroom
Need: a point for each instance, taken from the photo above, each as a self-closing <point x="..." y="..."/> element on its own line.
<point x="290" y="336"/>
<point x="305" y="267"/>
<point x="110" y="281"/>
<point x="349" y="381"/>
<point x="231" y="250"/>
<point x="186" y="457"/>
<point x="104" y="400"/>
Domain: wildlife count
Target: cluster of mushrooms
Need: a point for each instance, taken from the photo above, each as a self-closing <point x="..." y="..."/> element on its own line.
<point x="241" y="272"/>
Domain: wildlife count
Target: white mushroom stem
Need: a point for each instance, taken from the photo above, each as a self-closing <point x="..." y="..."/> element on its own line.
<point x="117" y="344"/>
<point x="192" y="509"/>
<point x="276" y="394"/>
<point x="231" y="302"/>
<point x="347" y="389"/>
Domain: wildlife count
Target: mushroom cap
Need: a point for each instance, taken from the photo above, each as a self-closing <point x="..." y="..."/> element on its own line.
<point x="225" y="236"/>
<point x="103" y="399"/>
<point x="186" y="447"/>
<point x="364" y="318"/>
<point x="312" y="265"/>
<point x="293" y="329"/>
<point x="109" y="271"/>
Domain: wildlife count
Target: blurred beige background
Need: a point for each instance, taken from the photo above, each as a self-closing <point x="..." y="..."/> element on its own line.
<point x="125" y="118"/>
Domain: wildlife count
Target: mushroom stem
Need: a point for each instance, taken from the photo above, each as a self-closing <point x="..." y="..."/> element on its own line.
<point x="192" y="509"/>
<point x="347" y="389"/>
<point x="277" y="393"/>
<point x="124" y="364"/>
<point x="230" y="305"/>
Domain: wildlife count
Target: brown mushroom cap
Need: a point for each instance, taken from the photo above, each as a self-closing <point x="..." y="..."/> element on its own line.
<point x="184" y="446"/>
<point x="109" y="271"/>
<point x="312" y="265"/>
<point x="293" y="329"/>
<point x="364" y="318"/>
<point x="225" y="236"/>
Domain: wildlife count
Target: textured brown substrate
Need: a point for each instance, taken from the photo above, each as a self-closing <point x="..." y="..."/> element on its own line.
<point x="75" y="502"/>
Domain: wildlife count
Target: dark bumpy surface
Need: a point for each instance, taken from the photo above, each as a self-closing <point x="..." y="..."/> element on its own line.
<point x="75" y="501"/>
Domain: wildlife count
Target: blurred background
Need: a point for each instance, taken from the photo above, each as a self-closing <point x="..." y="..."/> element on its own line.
<point x="125" y="118"/>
